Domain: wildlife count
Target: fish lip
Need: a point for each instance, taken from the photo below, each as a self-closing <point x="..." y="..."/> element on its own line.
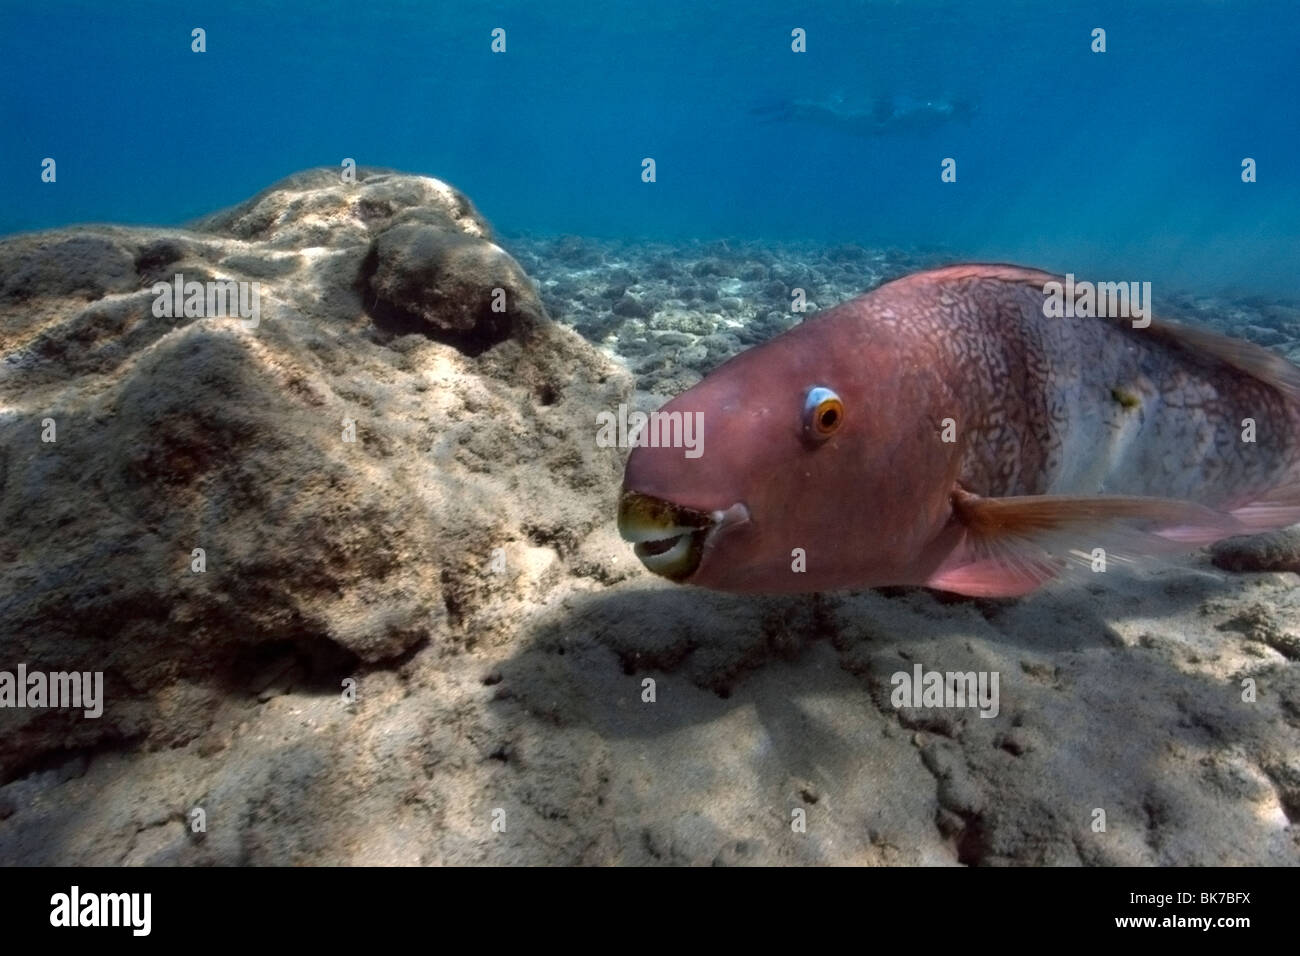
<point x="731" y="517"/>
<point x="671" y="539"/>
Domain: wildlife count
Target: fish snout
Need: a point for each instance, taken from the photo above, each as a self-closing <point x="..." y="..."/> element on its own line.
<point x="671" y="539"/>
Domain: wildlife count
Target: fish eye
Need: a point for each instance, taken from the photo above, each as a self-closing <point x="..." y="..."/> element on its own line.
<point x="823" y="413"/>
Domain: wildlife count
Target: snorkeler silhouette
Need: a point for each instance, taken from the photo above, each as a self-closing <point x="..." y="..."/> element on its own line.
<point x="884" y="114"/>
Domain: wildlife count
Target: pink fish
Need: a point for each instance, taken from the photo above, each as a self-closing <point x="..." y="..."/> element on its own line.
<point x="943" y="431"/>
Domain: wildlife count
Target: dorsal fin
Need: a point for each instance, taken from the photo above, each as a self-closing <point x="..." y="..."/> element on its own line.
<point x="1255" y="360"/>
<point x="981" y="270"/>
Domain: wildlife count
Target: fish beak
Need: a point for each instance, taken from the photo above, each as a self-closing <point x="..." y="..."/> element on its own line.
<point x="670" y="539"/>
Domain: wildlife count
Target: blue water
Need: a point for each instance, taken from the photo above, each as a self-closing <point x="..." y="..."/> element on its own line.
<point x="1124" y="164"/>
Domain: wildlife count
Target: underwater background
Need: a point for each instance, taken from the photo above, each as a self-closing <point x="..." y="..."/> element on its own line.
<point x="1125" y="164"/>
<point x="349" y="565"/>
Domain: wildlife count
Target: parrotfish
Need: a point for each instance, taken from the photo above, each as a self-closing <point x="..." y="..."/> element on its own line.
<point x="945" y="431"/>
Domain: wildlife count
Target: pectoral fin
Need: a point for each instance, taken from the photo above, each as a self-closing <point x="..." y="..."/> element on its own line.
<point x="1010" y="546"/>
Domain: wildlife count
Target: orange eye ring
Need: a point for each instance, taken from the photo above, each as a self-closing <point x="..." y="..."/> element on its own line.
<point x="823" y="413"/>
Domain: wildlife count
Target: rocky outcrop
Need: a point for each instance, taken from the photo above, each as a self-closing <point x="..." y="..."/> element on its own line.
<point x="191" y="503"/>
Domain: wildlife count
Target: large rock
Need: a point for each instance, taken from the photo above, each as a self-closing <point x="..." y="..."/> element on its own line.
<point x="323" y="554"/>
<point x="441" y="283"/>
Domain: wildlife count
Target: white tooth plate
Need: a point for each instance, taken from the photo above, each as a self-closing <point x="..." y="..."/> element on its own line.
<point x="653" y="533"/>
<point x="677" y="552"/>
